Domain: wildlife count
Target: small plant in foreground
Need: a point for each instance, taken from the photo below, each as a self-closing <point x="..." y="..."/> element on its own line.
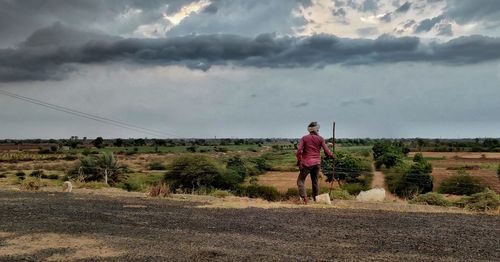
<point x="221" y="193"/>
<point x="431" y="198"/>
<point x="160" y="190"/>
<point x="157" y="166"/>
<point x="480" y="202"/>
<point x="462" y="184"/>
<point x="341" y="194"/>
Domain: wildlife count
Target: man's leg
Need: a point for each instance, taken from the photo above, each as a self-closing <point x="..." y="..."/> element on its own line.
<point x="314" y="181"/>
<point x="301" y="181"/>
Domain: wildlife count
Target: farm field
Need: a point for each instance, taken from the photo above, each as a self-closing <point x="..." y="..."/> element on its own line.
<point x="477" y="164"/>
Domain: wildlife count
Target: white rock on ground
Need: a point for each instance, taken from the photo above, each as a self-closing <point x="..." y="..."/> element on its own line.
<point x="376" y="194"/>
<point x="323" y="199"/>
<point x="67" y="187"/>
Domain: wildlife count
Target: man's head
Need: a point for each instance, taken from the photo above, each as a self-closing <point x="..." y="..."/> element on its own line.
<point x="313" y="127"/>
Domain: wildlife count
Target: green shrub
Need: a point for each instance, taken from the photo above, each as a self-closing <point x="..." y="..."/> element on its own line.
<point x="291" y="193"/>
<point x="268" y="193"/>
<point x="341" y="194"/>
<point x="191" y="172"/>
<point x="386" y="154"/>
<point x="483" y="201"/>
<point x="354" y="188"/>
<point x="221" y="193"/>
<point x="53" y="176"/>
<point x="261" y="165"/>
<point x="20" y="174"/>
<point x="157" y="166"/>
<point x="498" y="171"/>
<point x="129" y="186"/>
<point x="70" y="157"/>
<point x="37" y="173"/>
<point x="409" y="181"/>
<point x="221" y="149"/>
<point x="462" y="184"/>
<point x="237" y="165"/>
<point x="431" y="198"/>
<point x="257" y="191"/>
<point x="99" y="168"/>
<point x="356" y="172"/>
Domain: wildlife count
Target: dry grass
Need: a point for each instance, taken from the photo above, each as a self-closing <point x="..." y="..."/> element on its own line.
<point x="64" y="247"/>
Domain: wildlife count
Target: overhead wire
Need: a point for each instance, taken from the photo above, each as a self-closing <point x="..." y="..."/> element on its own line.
<point x="97" y="118"/>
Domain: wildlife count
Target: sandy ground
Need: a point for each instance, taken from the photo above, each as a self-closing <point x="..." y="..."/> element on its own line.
<point x="89" y="227"/>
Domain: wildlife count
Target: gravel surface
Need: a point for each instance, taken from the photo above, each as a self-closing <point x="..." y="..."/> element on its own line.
<point x="58" y="226"/>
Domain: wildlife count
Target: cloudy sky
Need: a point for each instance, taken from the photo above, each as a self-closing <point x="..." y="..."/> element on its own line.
<point x="250" y="68"/>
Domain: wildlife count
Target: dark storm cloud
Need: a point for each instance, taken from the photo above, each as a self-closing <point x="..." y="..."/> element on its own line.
<point x="243" y="17"/>
<point x="427" y="24"/>
<point x="41" y="57"/>
<point x="366" y="100"/>
<point x="403" y="8"/>
<point x="400" y="10"/>
<point x="463" y="11"/>
<point x="20" y="18"/>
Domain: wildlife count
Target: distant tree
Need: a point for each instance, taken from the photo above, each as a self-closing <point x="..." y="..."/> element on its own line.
<point x="118" y="142"/>
<point x="98" y="142"/>
<point x="237" y="165"/>
<point x="491" y="143"/>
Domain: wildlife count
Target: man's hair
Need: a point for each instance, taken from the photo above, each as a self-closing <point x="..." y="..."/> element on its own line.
<point x="313" y="127"/>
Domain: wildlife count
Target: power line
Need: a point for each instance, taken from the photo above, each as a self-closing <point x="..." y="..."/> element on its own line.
<point x="86" y="115"/>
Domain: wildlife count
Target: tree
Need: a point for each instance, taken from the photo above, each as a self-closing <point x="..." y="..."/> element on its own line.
<point x="237" y="165"/>
<point x="103" y="168"/>
<point x="118" y="142"/>
<point x="191" y="172"/>
<point x="417" y="180"/>
<point x="98" y="142"/>
<point x="109" y="167"/>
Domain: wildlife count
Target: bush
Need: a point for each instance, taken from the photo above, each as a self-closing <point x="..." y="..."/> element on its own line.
<point x="409" y="181"/>
<point x="70" y="157"/>
<point x="237" y="165"/>
<point x="462" y="184"/>
<point x="483" y="201"/>
<point x="291" y="193"/>
<point x="347" y="167"/>
<point x="37" y="173"/>
<point x="129" y="186"/>
<point x="157" y="166"/>
<point x="53" y="176"/>
<point x="20" y="174"/>
<point x="341" y="194"/>
<point x="191" y="172"/>
<point x="221" y="193"/>
<point x="31" y="184"/>
<point x="162" y="190"/>
<point x="354" y="188"/>
<point x="102" y="168"/>
<point x="268" y="193"/>
<point x="431" y="198"/>
<point x="386" y="154"/>
<point x="261" y="165"/>
<point x="498" y="171"/>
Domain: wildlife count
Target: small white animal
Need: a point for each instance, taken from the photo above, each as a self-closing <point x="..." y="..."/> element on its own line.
<point x="67" y="187"/>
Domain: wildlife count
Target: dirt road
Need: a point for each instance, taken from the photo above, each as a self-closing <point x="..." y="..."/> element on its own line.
<point x="54" y="226"/>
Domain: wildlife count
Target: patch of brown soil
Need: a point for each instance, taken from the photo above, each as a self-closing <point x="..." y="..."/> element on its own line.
<point x="80" y="247"/>
<point x="285" y="180"/>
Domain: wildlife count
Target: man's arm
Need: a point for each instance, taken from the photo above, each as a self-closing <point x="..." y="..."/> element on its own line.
<point x="298" y="155"/>
<point x="326" y="149"/>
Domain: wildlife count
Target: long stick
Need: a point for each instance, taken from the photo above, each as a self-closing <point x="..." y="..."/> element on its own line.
<point x="333" y="161"/>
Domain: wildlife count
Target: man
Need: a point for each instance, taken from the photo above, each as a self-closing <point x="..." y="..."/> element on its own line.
<point x="309" y="159"/>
